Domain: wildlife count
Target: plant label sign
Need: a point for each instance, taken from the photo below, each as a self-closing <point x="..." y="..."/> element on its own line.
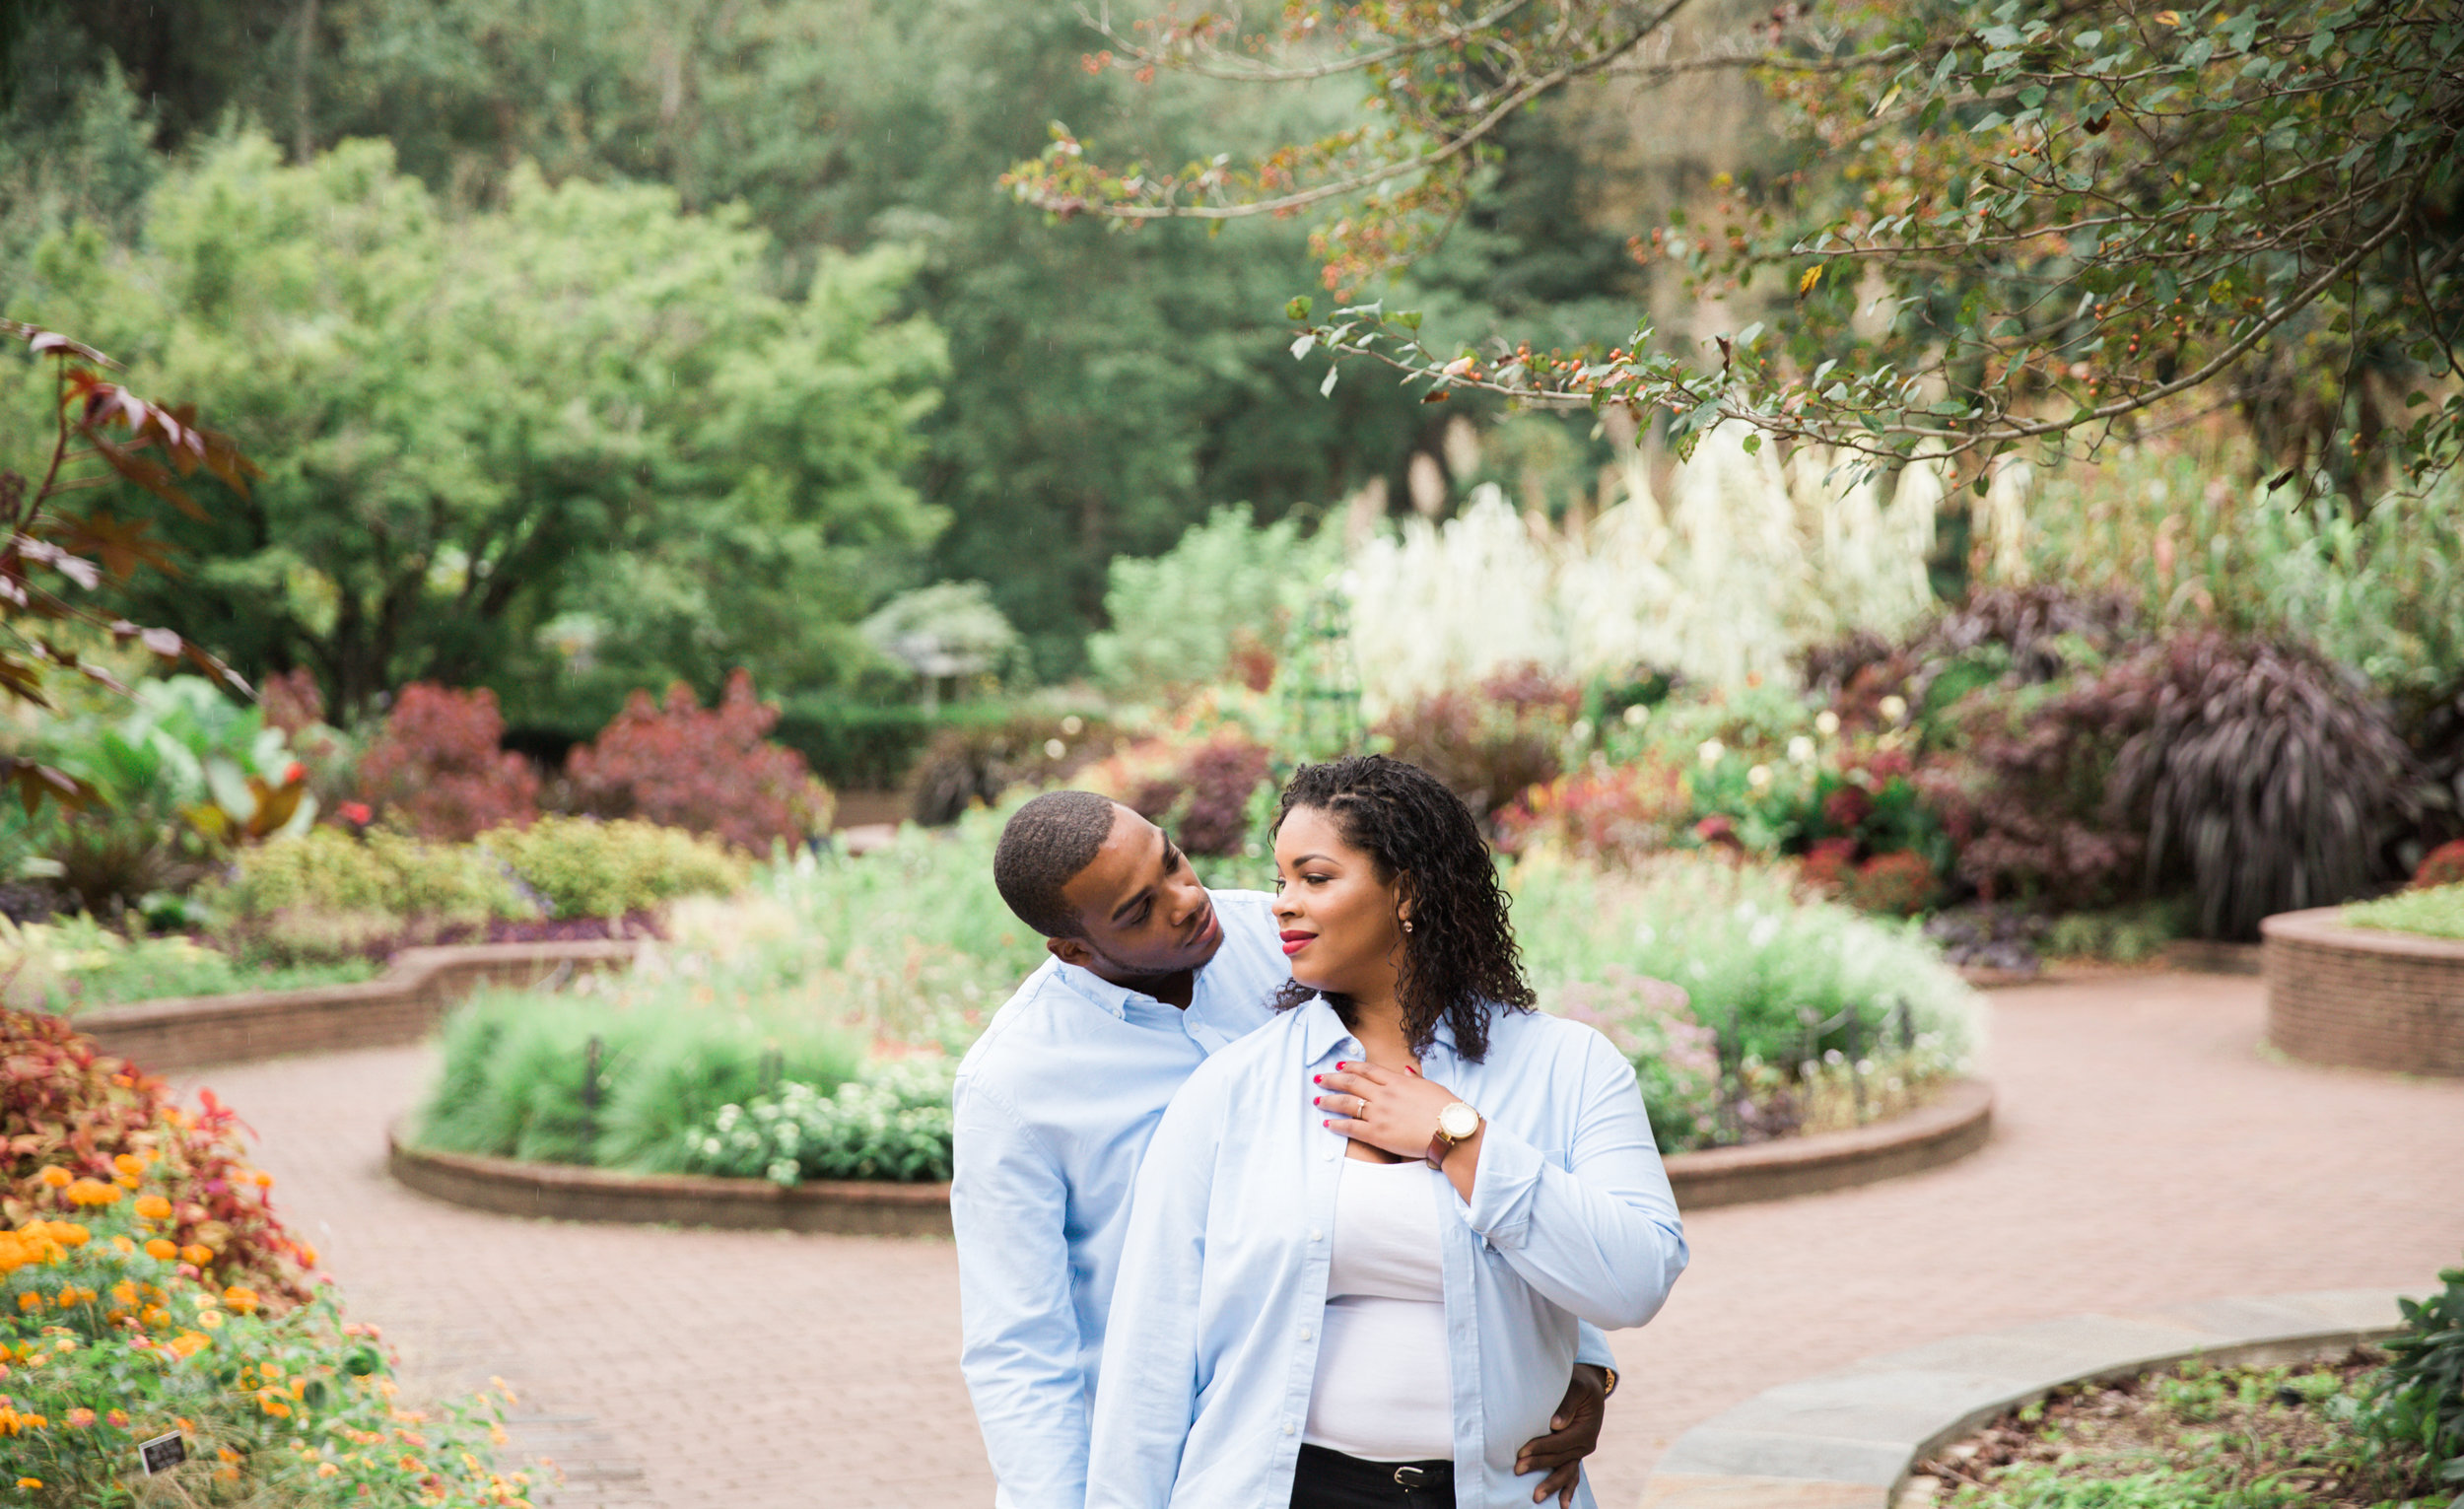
<point x="163" y="1452"/>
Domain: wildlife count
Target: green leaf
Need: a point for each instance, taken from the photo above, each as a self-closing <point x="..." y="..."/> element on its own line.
<point x="1298" y="308"/>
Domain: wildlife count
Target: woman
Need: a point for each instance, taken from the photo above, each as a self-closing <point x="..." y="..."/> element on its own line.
<point x="1363" y="1234"/>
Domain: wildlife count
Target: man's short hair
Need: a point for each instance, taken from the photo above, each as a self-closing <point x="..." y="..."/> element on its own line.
<point x="1045" y="845"/>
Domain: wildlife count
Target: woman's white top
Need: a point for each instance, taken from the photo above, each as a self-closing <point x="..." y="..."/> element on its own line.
<point x="1211" y="1359"/>
<point x="1385" y="1388"/>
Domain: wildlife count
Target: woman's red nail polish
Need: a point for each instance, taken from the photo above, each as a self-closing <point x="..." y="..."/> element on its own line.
<point x="1316" y="1080"/>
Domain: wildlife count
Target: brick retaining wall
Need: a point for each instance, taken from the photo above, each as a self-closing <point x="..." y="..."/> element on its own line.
<point x="400" y="1006"/>
<point x="2363" y="997"/>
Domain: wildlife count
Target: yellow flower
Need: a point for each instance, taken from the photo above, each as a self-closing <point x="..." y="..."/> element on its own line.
<point x="154" y="1207"/>
<point x="162" y="1249"/>
<point x="93" y="1191"/>
<point x="57" y="1178"/>
<point x="211" y="1320"/>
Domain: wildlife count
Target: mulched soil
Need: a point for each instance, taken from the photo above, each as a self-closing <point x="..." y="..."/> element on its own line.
<point x="2115" y="1430"/>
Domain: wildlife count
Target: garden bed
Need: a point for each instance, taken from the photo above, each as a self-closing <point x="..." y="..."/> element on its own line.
<point x="1954" y="1123"/>
<point x="2363" y="997"/>
<point x="403" y="1005"/>
<point x="2194" y="1435"/>
<point x="1850" y="1440"/>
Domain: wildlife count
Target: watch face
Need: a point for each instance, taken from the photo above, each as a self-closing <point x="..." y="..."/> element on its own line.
<point x="1458" y="1120"/>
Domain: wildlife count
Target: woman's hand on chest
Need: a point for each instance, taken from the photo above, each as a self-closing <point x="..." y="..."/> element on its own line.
<point x="1394" y="1110"/>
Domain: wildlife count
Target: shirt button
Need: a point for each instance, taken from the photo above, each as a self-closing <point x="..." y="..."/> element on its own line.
<point x="1315" y="1235"/>
<point x="1304" y="1332"/>
<point x="1287" y="1428"/>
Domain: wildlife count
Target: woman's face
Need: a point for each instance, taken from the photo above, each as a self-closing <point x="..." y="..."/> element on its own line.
<point x="1339" y="922"/>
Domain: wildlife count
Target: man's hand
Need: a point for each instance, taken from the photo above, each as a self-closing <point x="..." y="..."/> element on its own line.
<point x="1573" y="1434"/>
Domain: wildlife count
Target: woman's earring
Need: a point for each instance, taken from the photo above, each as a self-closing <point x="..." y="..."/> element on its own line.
<point x="1407" y="925"/>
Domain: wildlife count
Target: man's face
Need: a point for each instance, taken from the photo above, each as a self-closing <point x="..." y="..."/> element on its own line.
<point x="1144" y="913"/>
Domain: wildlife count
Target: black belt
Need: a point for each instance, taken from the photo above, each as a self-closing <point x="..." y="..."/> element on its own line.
<point x="1319" y="1464"/>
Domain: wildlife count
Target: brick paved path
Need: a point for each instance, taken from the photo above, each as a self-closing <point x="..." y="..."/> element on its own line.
<point x="2146" y="1151"/>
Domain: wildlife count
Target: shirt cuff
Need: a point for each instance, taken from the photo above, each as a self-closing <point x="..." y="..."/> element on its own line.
<point x="1503" y="1187"/>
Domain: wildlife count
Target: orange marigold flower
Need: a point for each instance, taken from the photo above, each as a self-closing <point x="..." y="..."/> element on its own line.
<point x="226" y="1454"/>
<point x="70" y="1234"/>
<point x="198" y="1254"/>
<point x="154" y="1207"/>
<point x="162" y="1249"/>
<point x="93" y="1191"/>
<point x="124" y="1245"/>
<point x="327" y="1469"/>
<point x="79" y="1417"/>
<point x="30" y="1300"/>
<point x="129" y="1163"/>
<point x="30" y="1483"/>
<point x="57" y="1177"/>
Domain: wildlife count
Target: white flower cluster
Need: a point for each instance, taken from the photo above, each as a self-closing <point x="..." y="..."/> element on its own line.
<point x="892" y="1125"/>
<point x="1754" y="560"/>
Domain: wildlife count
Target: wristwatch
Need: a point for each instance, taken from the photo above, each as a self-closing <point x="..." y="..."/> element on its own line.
<point x="1454" y="1124"/>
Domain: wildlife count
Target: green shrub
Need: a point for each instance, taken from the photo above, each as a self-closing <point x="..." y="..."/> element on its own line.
<point x="2433" y="912"/>
<point x="581" y="866"/>
<point x="2121" y="935"/>
<point x="382" y="874"/>
<point x="616" y="1072"/>
<point x="2419" y="1402"/>
<point x="894" y="1123"/>
<point x="1764" y="966"/>
<point x="74" y="962"/>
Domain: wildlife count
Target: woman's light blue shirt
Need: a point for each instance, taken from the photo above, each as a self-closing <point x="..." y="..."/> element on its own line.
<point x="1212" y="1343"/>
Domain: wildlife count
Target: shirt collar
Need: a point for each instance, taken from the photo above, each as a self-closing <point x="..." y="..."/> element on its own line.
<point x="1322" y="1032"/>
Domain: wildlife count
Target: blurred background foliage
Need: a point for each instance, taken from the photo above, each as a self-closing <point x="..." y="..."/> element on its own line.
<point x="825" y="205"/>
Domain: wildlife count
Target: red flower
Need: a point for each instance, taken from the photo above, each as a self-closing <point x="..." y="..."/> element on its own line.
<point x="1846" y="807"/>
<point x="294" y="773"/>
<point x="1717" y="829"/>
<point x="357" y="813"/>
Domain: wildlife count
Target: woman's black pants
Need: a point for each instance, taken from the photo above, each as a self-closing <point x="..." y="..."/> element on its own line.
<point x="1332" y="1480"/>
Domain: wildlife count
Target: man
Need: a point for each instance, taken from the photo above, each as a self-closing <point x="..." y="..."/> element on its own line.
<point x="1149" y="972"/>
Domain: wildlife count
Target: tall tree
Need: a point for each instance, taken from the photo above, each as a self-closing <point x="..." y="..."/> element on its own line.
<point x="584" y="408"/>
<point x="2071" y="214"/>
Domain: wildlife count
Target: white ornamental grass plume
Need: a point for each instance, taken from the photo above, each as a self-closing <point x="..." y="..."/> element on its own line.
<point x="1441" y="606"/>
<point x="1753" y="561"/>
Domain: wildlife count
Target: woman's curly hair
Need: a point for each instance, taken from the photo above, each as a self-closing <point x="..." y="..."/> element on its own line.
<point x="1460" y="956"/>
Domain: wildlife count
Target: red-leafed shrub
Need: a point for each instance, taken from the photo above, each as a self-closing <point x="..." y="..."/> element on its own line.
<point x="1829" y="865"/>
<point x="291" y="700"/>
<point x="1198" y="790"/>
<point x="1899" y="884"/>
<point x="1612" y="814"/>
<point x="66" y="1105"/>
<point x="2442" y="865"/>
<point x="436" y="768"/>
<point x="711" y="769"/>
<point x="1491" y="745"/>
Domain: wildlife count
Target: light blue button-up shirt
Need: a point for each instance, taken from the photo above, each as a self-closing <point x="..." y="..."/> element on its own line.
<point x="1221" y="1300"/>
<point x="1052" y="1109"/>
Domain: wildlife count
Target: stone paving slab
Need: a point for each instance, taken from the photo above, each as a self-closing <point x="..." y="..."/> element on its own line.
<point x="2146" y="1153"/>
<point x="1870" y="1424"/>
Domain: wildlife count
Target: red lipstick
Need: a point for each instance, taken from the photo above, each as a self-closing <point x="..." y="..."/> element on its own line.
<point x="1294" y="942"/>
